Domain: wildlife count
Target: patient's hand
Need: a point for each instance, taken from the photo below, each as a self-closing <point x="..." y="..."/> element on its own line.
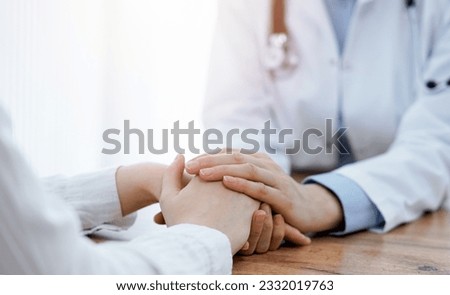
<point x="206" y="203"/>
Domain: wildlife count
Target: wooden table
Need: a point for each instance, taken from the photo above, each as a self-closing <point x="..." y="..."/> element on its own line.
<point x="422" y="247"/>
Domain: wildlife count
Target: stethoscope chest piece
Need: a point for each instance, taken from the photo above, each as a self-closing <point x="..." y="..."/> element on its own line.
<point x="280" y="59"/>
<point x="276" y="51"/>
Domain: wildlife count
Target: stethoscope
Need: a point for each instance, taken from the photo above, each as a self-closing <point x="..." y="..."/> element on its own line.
<point x="282" y="59"/>
<point x="280" y="56"/>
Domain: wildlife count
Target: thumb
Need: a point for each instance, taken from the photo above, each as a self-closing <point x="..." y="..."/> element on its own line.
<point x="159" y="219"/>
<point x="172" y="181"/>
<point x="294" y="236"/>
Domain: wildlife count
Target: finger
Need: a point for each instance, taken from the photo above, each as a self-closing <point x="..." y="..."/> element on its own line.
<point x="277" y="233"/>
<point x="255" y="232"/>
<point x="159" y="218"/>
<point x="295" y="237"/>
<point x="261" y="156"/>
<point x="221" y="151"/>
<point x="194" y="166"/>
<point x="246" y="246"/>
<point x="191" y="162"/>
<point x="247" y="171"/>
<point x="257" y="191"/>
<point x="266" y="235"/>
<point x="173" y="178"/>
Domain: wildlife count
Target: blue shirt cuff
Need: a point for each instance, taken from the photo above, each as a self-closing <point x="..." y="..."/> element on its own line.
<point x="360" y="213"/>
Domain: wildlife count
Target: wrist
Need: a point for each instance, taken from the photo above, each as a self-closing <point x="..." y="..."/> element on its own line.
<point x="325" y="209"/>
<point x="139" y="185"/>
<point x="150" y="181"/>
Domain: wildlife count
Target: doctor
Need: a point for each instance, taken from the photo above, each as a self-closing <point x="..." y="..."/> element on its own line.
<point x="379" y="68"/>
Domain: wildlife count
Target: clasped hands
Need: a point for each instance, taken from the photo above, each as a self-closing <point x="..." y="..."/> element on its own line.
<point x="247" y="197"/>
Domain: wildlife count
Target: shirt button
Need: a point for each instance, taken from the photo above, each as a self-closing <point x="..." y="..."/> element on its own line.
<point x="431" y="84"/>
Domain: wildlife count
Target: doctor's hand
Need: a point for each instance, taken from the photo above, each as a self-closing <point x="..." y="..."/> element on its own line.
<point x="268" y="232"/>
<point x="309" y="208"/>
<point x="206" y="203"/>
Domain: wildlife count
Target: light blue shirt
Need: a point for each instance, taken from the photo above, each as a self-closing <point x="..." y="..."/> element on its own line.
<point x="340" y="13"/>
<point x="359" y="211"/>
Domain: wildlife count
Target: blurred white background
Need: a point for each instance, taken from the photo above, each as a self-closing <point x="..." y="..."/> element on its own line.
<point x="69" y="69"/>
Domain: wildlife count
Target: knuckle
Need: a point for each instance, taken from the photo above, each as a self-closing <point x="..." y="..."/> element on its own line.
<point x="251" y="169"/>
<point x="261" y="189"/>
<point x="238" y="158"/>
<point x="277" y="220"/>
<point x="204" y="162"/>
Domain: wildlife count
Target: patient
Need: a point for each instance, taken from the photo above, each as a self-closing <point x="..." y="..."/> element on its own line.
<point x="41" y="223"/>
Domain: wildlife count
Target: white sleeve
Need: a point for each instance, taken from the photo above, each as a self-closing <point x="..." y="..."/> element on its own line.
<point x="94" y="197"/>
<point x="39" y="234"/>
<point x="239" y="91"/>
<point x="414" y="175"/>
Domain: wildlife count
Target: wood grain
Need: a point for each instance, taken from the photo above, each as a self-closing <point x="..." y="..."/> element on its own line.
<point x="422" y="247"/>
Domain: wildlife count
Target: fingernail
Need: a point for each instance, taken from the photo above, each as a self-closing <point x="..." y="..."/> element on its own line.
<point x="192" y="165"/>
<point x="228" y="178"/>
<point x="206" y="172"/>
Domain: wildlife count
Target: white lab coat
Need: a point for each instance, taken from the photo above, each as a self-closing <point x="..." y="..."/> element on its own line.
<point x="399" y="130"/>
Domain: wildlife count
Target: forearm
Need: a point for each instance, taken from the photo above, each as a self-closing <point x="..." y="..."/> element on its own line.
<point x="139" y="185"/>
<point x="92" y="195"/>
